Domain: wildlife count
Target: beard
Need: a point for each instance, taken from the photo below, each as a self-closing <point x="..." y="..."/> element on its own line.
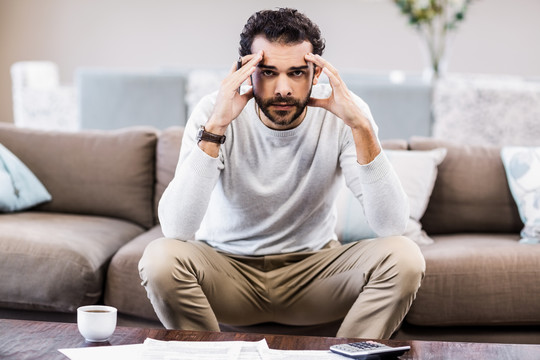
<point x="282" y="117"/>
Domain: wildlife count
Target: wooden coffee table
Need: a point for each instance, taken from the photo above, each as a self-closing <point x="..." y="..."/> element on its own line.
<point x="20" y="339"/>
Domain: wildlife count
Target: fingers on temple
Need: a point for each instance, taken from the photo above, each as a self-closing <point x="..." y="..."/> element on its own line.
<point x="250" y="60"/>
<point x="321" y="62"/>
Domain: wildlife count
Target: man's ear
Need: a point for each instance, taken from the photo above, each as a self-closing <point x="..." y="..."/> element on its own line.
<point x="317" y="73"/>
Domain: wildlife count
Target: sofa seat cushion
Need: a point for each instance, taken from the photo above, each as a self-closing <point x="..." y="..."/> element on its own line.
<point x="123" y="288"/>
<point x="478" y="279"/>
<point x="57" y="262"/>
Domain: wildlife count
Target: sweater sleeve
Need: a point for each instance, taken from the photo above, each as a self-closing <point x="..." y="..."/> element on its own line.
<point x="185" y="200"/>
<point x="376" y="185"/>
<point x="385" y="203"/>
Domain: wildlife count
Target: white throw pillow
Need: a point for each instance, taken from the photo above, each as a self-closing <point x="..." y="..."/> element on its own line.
<point x="417" y="171"/>
<point x="522" y="166"/>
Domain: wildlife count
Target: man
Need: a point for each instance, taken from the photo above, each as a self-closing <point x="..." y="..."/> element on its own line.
<point x="249" y="217"/>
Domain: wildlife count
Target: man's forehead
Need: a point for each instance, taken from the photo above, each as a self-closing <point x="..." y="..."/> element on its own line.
<point x="261" y="41"/>
<point x="279" y="54"/>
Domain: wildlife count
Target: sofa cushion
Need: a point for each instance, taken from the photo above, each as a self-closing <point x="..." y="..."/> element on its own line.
<point x="522" y="165"/>
<point x="123" y="288"/>
<point x="478" y="279"/>
<point x="167" y="153"/>
<point x="471" y="193"/>
<point x="417" y="171"/>
<point x="57" y="262"/>
<point x="19" y="187"/>
<point x="106" y="173"/>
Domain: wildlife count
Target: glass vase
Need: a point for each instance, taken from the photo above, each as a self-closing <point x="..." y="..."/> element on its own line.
<point x="435" y="41"/>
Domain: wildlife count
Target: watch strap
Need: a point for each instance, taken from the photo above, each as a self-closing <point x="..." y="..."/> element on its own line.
<point x="208" y="136"/>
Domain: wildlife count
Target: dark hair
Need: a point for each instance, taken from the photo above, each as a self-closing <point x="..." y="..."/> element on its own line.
<point x="283" y="25"/>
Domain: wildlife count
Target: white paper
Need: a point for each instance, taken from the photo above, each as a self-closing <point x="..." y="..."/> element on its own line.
<point x="195" y="350"/>
<point x="211" y="350"/>
<point x="118" y="352"/>
<point x="228" y="350"/>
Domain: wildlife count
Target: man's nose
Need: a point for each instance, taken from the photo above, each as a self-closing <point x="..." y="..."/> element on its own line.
<point x="283" y="86"/>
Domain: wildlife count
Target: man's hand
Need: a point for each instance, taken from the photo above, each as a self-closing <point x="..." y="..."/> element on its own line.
<point x="341" y="104"/>
<point x="229" y="103"/>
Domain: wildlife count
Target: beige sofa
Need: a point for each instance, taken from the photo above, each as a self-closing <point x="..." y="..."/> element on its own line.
<point x="83" y="247"/>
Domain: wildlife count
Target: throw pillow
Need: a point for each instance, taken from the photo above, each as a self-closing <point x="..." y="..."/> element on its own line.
<point x="522" y="166"/>
<point x="19" y="187"/>
<point x="417" y="171"/>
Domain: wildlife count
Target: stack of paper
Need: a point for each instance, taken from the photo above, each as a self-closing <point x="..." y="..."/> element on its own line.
<point x="195" y="350"/>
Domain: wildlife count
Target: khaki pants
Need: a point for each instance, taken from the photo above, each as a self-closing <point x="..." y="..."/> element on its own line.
<point x="369" y="284"/>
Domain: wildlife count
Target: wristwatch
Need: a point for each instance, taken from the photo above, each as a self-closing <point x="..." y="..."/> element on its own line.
<point x="208" y="136"/>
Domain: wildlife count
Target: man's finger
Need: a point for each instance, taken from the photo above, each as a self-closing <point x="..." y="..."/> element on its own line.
<point x="334" y="79"/>
<point x="245" y="60"/>
<point x="311" y="58"/>
<point x="251" y="60"/>
<point x="237" y="76"/>
<point x="327" y="64"/>
<point x="321" y="62"/>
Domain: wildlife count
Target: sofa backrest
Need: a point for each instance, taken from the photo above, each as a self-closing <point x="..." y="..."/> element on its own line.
<point x="106" y="173"/>
<point x="167" y="154"/>
<point x="471" y="193"/>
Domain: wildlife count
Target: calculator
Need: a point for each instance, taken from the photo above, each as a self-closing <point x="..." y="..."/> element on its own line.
<point x="369" y="350"/>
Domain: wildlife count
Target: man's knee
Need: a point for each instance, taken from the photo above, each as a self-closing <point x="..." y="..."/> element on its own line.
<point x="409" y="262"/>
<point x="158" y="263"/>
<point x="405" y="259"/>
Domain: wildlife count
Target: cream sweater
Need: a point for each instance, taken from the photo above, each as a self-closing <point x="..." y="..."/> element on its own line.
<point x="273" y="192"/>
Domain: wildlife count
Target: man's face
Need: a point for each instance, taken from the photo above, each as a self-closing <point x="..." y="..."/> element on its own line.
<point x="282" y="82"/>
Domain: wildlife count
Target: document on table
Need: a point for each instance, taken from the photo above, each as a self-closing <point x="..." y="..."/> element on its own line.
<point x="133" y="352"/>
<point x="215" y="350"/>
<point x="195" y="350"/>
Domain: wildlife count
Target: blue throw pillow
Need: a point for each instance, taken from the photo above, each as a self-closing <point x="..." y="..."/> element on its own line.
<point x="19" y="187"/>
<point x="522" y="166"/>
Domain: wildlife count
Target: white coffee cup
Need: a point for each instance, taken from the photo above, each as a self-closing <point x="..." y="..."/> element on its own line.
<point x="96" y="323"/>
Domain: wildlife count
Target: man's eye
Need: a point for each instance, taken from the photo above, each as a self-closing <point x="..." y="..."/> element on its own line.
<point x="267" y="73"/>
<point x="297" y="73"/>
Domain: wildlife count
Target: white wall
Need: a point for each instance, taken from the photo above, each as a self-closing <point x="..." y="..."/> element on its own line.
<point x="498" y="36"/>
